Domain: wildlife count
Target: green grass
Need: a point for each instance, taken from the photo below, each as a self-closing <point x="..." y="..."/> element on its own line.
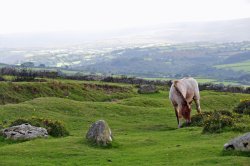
<point x="242" y="66"/>
<point x="144" y="127"/>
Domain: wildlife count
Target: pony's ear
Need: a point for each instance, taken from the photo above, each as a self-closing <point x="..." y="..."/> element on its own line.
<point x="175" y="82"/>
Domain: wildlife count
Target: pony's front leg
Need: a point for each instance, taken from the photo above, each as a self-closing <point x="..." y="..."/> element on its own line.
<point x="177" y="116"/>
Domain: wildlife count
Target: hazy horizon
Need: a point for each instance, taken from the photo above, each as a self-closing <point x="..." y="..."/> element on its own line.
<point x="95" y="17"/>
<point x="118" y="23"/>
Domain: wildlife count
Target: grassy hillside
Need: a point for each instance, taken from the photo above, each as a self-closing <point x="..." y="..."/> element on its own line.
<point x="15" y="92"/>
<point x="144" y="127"/>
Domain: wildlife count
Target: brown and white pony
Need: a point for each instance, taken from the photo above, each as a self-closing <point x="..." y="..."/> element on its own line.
<point x="181" y="94"/>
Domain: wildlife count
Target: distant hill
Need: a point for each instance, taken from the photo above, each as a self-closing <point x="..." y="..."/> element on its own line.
<point x="198" y="59"/>
<point x="3" y="65"/>
<point x="188" y="59"/>
<point x="214" y="31"/>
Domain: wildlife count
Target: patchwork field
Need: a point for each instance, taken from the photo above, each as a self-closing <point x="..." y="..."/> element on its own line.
<point x="144" y="126"/>
<point x="242" y="66"/>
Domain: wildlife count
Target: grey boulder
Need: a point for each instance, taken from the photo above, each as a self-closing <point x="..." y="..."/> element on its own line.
<point x="99" y="133"/>
<point x="241" y="143"/>
<point x="24" y="132"/>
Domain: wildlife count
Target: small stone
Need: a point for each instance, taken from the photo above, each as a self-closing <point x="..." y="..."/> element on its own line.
<point x="99" y="133"/>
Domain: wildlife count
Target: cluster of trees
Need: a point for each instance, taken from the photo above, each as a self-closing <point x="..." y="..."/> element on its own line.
<point x="31" y="65"/>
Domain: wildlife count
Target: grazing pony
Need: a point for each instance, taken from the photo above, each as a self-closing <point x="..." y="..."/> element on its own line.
<point x="181" y="94"/>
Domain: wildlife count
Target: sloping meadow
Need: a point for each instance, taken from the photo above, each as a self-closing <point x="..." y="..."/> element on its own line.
<point x="143" y="125"/>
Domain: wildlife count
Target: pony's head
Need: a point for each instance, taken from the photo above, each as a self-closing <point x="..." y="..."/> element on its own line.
<point x="186" y="111"/>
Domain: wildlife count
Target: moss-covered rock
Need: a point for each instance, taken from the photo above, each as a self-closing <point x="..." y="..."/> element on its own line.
<point x="99" y="133"/>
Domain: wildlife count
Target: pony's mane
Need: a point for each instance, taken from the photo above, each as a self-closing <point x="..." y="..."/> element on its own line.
<point x="184" y="101"/>
<point x="179" y="92"/>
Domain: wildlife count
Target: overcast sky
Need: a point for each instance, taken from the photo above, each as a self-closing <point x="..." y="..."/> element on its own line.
<point x="18" y="16"/>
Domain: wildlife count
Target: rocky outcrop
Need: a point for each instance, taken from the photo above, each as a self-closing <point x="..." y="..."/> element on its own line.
<point x="99" y="133"/>
<point x="147" y="89"/>
<point x="241" y="143"/>
<point x="24" y="132"/>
